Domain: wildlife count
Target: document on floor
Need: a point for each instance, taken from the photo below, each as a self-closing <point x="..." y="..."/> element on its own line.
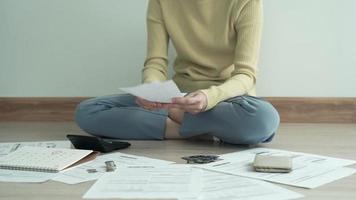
<point x="148" y="182"/>
<point x="95" y="169"/>
<point x="309" y="170"/>
<point x="156" y="91"/>
<point x="217" y="186"/>
<point x="6" y="148"/>
<point x="24" y="176"/>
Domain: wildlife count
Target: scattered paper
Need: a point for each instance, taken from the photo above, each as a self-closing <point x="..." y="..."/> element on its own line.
<point x="228" y="179"/>
<point x="156" y="91"/>
<point x="218" y="186"/>
<point x="6" y="148"/>
<point x="95" y="169"/>
<point x="24" y="176"/>
<point x="183" y="182"/>
<point x="148" y="182"/>
<point x="309" y="170"/>
<point x="329" y="176"/>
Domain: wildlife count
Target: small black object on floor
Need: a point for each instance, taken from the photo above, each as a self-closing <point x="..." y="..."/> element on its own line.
<point x="200" y="159"/>
<point x="96" y="143"/>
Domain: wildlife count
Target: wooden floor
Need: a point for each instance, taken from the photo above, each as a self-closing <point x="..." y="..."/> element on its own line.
<point x="338" y="140"/>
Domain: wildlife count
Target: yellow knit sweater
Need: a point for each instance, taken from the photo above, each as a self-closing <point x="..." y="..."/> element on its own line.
<point x="217" y="44"/>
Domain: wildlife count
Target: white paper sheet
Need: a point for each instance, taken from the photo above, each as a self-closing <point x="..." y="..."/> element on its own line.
<point x="218" y="186"/>
<point x="80" y="174"/>
<point x="309" y="170"/>
<point x="176" y="181"/>
<point x="156" y="91"/>
<point x="6" y="148"/>
<point x="24" y="176"/>
<point x="148" y="182"/>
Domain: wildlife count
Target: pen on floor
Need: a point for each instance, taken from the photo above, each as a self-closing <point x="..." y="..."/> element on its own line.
<point x="128" y="157"/>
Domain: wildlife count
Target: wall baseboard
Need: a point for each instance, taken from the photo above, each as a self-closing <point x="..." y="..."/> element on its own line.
<point x="315" y="109"/>
<point x="38" y="108"/>
<point x="291" y="109"/>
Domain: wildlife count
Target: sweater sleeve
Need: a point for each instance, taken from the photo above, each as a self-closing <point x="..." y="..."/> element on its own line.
<point x="248" y="26"/>
<point x="155" y="66"/>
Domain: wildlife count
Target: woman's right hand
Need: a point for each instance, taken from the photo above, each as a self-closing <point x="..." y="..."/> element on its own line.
<point x="149" y="105"/>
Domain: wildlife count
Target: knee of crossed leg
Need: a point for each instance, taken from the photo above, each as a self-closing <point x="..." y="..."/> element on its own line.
<point x="82" y="116"/>
<point x="254" y="129"/>
<point x="265" y="125"/>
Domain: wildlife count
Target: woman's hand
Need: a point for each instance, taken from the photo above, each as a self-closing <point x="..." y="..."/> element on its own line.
<point x="193" y="103"/>
<point x="149" y="105"/>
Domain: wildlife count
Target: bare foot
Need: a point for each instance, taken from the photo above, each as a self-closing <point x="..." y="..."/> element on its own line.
<point x="172" y="129"/>
<point x="176" y="114"/>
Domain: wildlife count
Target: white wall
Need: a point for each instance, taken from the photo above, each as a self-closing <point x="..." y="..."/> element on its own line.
<point x="92" y="47"/>
<point x="309" y="48"/>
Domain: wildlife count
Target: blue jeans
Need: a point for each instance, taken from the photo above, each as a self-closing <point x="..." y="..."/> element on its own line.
<point x="238" y="120"/>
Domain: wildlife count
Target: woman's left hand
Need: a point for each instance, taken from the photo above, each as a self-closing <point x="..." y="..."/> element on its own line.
<point x="193" y="103"/>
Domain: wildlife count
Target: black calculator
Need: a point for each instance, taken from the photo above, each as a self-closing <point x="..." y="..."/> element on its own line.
<point x="96" y="143"/>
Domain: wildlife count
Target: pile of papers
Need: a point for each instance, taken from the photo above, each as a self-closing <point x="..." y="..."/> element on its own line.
<point x="232" y="177"/>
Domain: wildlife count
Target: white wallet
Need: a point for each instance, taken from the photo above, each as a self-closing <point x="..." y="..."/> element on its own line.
<point x="273" y="164"/>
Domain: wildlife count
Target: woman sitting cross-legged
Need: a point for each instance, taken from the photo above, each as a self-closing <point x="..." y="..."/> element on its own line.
<point x="217" y="45"/>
